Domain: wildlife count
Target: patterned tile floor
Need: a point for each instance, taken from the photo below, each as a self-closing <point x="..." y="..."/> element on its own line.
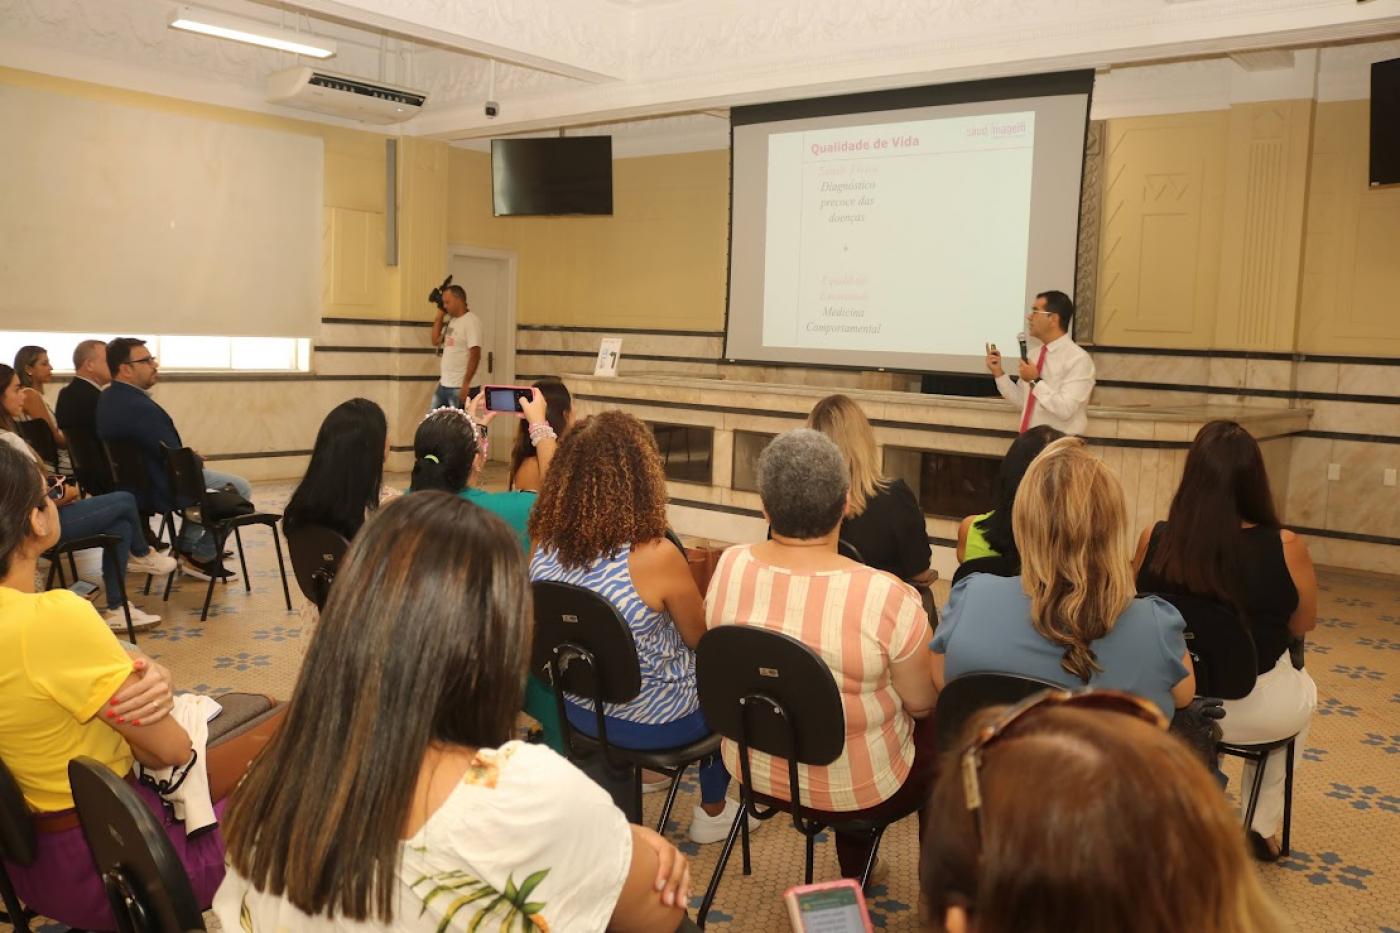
<point x="1343" y="876"/>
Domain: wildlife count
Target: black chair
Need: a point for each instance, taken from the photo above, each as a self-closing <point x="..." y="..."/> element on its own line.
<point x="90" y="463"/>
<point x="964" y="696"/>
<point x="676" y="540"/>
<point x="584" y="647"/>
<point x="999" y="565"/>
<point x="771" y="693"/>
<point x="36" y="434"/>
<point x="843" y="547"/>
<point x="108" y="545"/>
<point x="316" y="552"/>
<point x="147" y="887"/>
<point x="18" y="844"/>
<point x="128" y="465"/>
<point x="191" y="498"/>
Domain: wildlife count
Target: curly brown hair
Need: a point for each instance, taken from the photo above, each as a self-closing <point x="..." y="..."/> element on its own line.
<point x="605" y="489"/>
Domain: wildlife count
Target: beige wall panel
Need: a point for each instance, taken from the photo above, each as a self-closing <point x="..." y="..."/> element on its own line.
<point x="1351" y="273"/>
<point x="1160" y="237"/>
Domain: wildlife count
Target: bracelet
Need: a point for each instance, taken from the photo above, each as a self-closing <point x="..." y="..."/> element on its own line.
<point x="541" y="431"/>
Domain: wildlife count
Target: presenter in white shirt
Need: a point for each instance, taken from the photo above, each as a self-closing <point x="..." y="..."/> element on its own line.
<point x="457" y="330"/>
<point x="1055" y="387"/>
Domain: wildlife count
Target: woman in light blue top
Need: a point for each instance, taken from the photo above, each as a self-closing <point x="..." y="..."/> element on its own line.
<point x="600" y="523"/>
<point x="1072" y="616"/>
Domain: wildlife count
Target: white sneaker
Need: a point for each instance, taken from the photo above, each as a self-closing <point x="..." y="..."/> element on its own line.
<point x="152" y="562"/>
<point x="116" y="619"/>
<point x="654" y="782"/>
<point x="705" y="829"/>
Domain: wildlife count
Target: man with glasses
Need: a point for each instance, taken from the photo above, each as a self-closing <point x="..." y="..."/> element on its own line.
<point x="1054" y="389"/>
<point x="126" y="412"/>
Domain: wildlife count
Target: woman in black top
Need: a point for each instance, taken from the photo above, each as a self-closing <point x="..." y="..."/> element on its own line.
<point x="885" y="522"/>
<point x="1222" y="541"/>
<point x="344" y="480"/>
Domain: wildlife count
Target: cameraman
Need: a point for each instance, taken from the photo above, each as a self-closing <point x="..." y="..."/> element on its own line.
<point x="456" y="329"/>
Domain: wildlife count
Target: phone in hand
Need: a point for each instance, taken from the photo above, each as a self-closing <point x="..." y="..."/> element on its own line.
<point x="828" y="907"/>
<point x="505" y="398"/>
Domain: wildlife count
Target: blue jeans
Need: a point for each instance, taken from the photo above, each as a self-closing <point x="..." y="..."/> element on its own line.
<point x="714" y="776"/>
<point x="195" y="540"/>
<point x="446" y="396"/>
<point x="112" y="514"/>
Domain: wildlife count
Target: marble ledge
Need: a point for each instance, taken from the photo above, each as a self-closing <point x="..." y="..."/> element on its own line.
<point x="1149" y="425"/>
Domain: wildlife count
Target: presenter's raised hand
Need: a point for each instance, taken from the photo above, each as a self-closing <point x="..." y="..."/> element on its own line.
<point x="994" y="363"/>
<point x="1028" y="371"/>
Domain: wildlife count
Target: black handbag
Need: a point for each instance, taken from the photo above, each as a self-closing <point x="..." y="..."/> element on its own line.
<point x="225" y="502"/>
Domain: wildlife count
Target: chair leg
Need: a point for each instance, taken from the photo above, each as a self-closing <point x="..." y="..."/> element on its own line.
<point x="242" y="561"/>
<point x="872" y="858"/>
<point x="281" y="566"/>
<point x="1288" y="796"/>
<point x="739" y="820"/>
<point x="744" y="824"/>
<point x="811" y="855"/>
<point x="58" y="565"/>
<point x="53" y="570"/>
<point x="111" y="550"/>
<point x="670" y="799"/>
<point x="169" y="581"/>
<point x="73" y="565"/>
<point x="17" y="917"/>
<point x="1261" y="761"/>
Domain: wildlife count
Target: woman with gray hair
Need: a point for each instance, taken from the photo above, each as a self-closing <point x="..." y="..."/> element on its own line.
<point x="795" y="584"/>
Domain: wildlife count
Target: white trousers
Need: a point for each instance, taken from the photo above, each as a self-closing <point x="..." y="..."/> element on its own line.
<point x="1281" y="704"/>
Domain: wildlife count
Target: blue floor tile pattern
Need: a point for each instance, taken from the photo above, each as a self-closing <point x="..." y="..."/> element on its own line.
<point x="1343" y="874"/>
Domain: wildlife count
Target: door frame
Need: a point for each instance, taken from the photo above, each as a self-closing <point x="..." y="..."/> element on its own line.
<point x="512" y="260"/>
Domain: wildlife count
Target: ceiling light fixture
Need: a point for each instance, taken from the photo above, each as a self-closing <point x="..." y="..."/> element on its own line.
<point x="224" y="26"/>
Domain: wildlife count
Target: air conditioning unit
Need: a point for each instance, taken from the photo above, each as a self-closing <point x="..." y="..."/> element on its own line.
<point x="342" y="96"/>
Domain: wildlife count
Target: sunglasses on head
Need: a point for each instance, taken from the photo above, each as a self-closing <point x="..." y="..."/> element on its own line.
<point x="1112" y="701"/>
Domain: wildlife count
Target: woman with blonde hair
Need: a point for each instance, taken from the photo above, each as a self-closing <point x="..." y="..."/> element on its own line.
<point x="1132" y="834"/>
<point x="1072" y="617"/>
<point x="884" y="522"/>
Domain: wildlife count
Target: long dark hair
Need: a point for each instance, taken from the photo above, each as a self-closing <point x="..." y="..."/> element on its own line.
<point x="6" y="374"/>
<point x="996" y="527"/>
<point x="1223" y="484"/>
<point x="21" y="492"/>
<point x="558" y="403"/>
<point x="346" y="471"/>
<point x="444" y="448"/>
<point x="24" y="358"/>
<point x="430" y="645"/>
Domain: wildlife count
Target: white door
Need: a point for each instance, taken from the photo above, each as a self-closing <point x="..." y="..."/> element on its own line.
<point x="488" y="285"/>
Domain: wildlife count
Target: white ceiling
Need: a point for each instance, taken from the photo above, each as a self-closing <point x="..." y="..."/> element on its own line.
<point x="619" y="65"/>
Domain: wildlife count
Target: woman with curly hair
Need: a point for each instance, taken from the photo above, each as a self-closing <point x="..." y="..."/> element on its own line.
<point x="600" y="523"/>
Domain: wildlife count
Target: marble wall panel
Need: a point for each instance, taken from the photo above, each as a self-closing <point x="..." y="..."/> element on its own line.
<point x="1358" y="501"/>
<point x="1308" y="488"/>
<point x="1364" y="379"/>
<point x="1318" y="377"/>
<point x="1275" y="375"/>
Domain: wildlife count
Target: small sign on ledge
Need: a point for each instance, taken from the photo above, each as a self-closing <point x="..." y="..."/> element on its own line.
<point x="609" y="351"/>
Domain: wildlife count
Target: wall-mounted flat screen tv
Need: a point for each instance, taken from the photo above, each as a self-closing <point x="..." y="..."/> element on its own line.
<point x="1385" y="123"/>
<point x="560" y="175"/>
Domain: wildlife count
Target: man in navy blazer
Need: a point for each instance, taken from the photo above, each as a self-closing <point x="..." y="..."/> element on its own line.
<point x="126" y="412"/>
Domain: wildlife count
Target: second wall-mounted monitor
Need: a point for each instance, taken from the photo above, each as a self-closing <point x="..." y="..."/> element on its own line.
<point x="551" y="176"/>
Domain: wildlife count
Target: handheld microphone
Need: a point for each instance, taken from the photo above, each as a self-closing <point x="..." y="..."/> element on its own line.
<point x="1021" y="339"/>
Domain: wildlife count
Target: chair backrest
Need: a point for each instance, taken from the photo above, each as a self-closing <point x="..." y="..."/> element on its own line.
<point x="999" y="565"/>
<point x="963" y="696"/>
<point x="847" y="549"/>
<point x="18" y="842"/>
<point x="36" y="434"/>
<point x="676" y="540"/>
<point x="146" y="885"/>
<point x="771" y="690"/>
<point x="128" y="463"/>
<point x="1220" y="644"/>
<point x="581" y="625"/>
<point x="316" y="555"/>
<point x="89" y="459"/>
<point x="186" y="477"/>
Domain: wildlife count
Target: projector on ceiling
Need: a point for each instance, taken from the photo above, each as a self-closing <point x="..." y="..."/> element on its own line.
<point x="343" y="96"/>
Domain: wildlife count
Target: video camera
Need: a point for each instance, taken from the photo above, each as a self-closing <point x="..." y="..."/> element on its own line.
<point x="435" y="296"/>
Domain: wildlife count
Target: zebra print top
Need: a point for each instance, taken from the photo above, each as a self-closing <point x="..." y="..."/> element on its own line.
<point x="668" y="666"/>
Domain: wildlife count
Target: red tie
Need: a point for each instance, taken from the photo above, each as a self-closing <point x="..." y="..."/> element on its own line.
<point x="1030" y="400"/>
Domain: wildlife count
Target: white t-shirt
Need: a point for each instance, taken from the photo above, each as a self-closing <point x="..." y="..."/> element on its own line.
<point x="524" y="835"/>
<point x="460" y="334"/>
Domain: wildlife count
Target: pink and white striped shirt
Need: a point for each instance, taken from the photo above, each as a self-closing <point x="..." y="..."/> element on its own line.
<point x="860" y="621"/>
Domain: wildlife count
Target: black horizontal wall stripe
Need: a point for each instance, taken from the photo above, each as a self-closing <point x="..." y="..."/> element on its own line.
<point x="1247" y="355"/>
<point x="590" y="354"/>
<point x="1345" y="535"/>
<point x="382" y="321"/>
<point x="571" y="329"/>
<point x="1351" y="438"/>
<point x="346" y="349"/>
<point x="260" y="454"/>
<point x="1290" y="394"/>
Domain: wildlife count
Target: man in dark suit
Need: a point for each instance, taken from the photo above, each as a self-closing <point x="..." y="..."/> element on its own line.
<point x="126" y="412"/>
<point x="77" y="405"/>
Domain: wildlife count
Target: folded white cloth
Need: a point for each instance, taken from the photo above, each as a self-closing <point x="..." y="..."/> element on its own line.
<point x="186" y="788"/>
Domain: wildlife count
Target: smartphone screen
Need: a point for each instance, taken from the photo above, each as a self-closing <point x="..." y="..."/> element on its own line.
<point x="832" y="908"/>
<point x="505" y="398"/>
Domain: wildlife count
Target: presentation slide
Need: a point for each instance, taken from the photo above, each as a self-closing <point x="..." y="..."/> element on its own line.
<point x="903" y="230"/>
<point x="872" y="229"/>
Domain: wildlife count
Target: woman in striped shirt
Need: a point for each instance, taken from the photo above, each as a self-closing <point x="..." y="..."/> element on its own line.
<point x="868" y="626"/>
<point x="600" y="523"/>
